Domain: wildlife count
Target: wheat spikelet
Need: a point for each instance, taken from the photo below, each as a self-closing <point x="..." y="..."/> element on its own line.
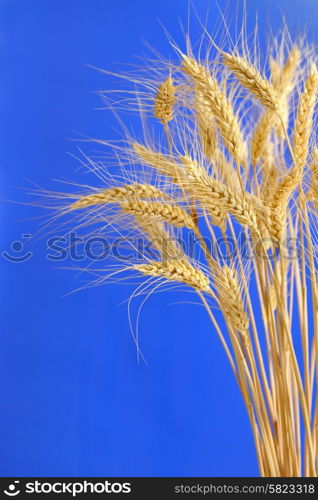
<point x="231" y="299"/>
<point x="216" y="100"/>
<point x="172" y="213"/>
<point x="118" y="193"/>
<point x="164" y="102"/>
<point x="182" y="272"/>
<point x="303" y="123"/>
<point x="252" y="80"/>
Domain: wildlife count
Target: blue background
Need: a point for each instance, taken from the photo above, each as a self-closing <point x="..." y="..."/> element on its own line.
<point x="73" y="399"/>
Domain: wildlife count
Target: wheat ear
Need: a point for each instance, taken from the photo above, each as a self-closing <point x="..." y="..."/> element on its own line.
<point x="285" y="85"/>
<point x="286" y="187"/>
<point x="206" y="126"/>
<point x="275" y="69"/>
<point x="279" y="201"/>
<point x="163" y="163"/>
<point x="312" y="193"/>
<point x="182" y="272"/>
<point x="219" y="105"/>
<point x="230" y="299"/>
<point x="214" y="195"/>
<point x="118" y="193"/>
<point x="171" y="213"/>
<point x="303" y="123"/>
<point x="284" y="82"/>
<point x="192" y="169"/>
<point x="164" y="102"/>
<point x="260" y="135"/>
<point x="252" y="80"/>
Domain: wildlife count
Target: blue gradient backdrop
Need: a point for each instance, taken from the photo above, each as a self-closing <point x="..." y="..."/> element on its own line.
<point x="73" y="399"/>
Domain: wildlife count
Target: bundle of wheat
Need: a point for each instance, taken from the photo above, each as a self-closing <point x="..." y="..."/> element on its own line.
<point x="230" y="160"/>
